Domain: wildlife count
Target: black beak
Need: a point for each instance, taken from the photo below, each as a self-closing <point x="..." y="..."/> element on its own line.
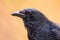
<point x="19" y="14"/>
<point x="15" y="14"/>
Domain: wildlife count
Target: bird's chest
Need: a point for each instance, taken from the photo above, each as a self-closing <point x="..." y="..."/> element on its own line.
<point x="40" y="35"/>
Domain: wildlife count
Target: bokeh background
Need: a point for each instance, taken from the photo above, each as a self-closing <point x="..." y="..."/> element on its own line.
<point x="12" y="28"/>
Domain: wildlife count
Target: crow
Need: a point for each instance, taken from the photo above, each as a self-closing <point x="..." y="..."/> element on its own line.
<point x="38" y="26"/>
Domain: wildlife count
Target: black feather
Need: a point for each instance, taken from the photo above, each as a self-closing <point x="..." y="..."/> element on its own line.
<point x="38" y="26"/>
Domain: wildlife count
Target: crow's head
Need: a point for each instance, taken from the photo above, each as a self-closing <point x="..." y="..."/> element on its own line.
<point x="30" y="14"/>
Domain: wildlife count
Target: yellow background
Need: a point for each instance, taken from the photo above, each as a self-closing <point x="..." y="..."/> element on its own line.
<point x="12" y="28"/>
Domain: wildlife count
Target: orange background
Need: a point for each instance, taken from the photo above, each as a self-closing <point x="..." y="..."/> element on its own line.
<point x="12" y="28"/>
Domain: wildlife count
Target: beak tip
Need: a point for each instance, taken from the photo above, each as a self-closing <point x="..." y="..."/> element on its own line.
<point x="12" y="14"/>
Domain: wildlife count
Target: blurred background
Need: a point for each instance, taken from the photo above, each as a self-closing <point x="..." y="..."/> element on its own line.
<point x="12" y="28"/>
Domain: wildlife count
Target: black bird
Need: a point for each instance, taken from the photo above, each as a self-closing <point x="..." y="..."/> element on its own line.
<point x="37" y="25"/>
